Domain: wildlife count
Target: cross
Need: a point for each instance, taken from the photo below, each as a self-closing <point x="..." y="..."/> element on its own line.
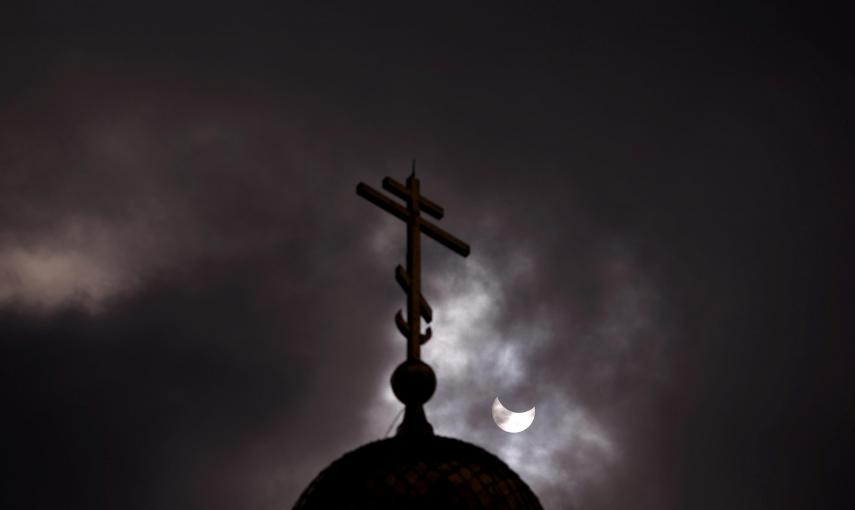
<point x="410" y="279"/>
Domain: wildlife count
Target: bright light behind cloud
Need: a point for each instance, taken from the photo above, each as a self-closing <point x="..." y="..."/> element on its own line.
<point x="510" y="421"/>
<point x="475" y="358"/>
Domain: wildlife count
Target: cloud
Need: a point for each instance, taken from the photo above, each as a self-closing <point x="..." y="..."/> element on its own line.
<point x="80" y="262"/>
<point x="196" y="309"/>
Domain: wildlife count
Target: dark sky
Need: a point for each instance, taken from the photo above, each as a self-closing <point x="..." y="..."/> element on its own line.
<point x="196" y="308"/>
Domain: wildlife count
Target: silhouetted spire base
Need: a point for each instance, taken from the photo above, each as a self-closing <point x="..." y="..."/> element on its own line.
<point x="415" y="423"/>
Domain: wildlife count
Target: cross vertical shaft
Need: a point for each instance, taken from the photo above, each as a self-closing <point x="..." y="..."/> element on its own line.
<point x="414" y="270"/>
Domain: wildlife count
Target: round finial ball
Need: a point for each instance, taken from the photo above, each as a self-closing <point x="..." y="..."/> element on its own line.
<point x="413" y="382"/>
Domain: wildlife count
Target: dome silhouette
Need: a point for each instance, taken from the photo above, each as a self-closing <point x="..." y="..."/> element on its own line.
<point x="418" y="473"/>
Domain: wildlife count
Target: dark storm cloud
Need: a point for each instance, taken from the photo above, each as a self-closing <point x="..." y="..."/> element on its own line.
<point x="195" y="308"/>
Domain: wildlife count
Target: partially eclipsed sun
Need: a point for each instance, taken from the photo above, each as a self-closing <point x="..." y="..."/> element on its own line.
<point x="510" y="421"/>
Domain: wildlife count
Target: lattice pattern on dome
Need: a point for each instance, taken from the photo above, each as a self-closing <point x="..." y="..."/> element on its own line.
<point x="435" y="473"/>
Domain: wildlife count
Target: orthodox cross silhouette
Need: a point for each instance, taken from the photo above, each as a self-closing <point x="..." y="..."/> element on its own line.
<point x="410" y="279"/>
<point x="413" y="381"/>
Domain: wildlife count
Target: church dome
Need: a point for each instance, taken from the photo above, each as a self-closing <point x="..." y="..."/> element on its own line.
<point x="417" y="473"/>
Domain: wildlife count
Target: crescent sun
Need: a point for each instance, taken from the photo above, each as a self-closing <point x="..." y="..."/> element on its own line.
<point x="510" y="421"/>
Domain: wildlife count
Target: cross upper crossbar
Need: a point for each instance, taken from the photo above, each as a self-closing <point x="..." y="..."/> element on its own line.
<point x="397" y="210"/>
<point x="425" y="204"/>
